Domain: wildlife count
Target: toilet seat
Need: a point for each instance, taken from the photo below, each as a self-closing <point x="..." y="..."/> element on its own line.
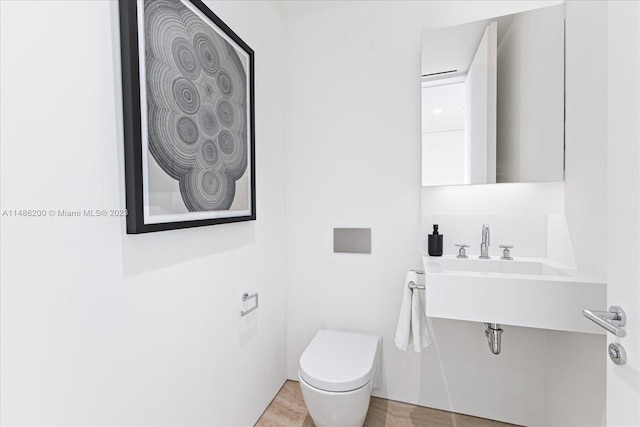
<point x="339" y="361"/>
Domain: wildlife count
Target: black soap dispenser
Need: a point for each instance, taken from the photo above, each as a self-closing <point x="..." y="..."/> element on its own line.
<point x="435" y="242"/>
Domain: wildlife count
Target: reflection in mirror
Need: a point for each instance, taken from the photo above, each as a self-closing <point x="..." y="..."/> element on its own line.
<point x="493" y="100"/>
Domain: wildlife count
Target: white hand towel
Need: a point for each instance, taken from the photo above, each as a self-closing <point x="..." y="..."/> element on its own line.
<point x="412" y="322"/>
<point x="403" y="331"/>
<point x="419" y="329"/>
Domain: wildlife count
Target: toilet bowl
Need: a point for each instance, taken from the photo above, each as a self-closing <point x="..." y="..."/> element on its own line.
<point x="336" y="377"/>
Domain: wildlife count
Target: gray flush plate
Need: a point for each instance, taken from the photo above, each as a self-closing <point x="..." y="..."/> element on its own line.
<point x="352" y="240"/>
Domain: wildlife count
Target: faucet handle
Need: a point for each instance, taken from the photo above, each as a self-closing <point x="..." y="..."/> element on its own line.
<point x="462" y="253"/>
<point x="506" y="252"/>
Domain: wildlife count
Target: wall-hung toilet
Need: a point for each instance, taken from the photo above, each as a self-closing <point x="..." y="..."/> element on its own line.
<point x="336" y="377"/>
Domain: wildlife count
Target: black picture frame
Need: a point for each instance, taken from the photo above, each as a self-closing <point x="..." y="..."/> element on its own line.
<point x="203" y="179"/>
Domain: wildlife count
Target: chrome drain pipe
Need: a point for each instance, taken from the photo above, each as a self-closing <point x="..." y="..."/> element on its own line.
<point x="493" y="332"/>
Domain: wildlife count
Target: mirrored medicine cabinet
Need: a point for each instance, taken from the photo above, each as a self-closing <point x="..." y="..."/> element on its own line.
<point x="493" y="100"/>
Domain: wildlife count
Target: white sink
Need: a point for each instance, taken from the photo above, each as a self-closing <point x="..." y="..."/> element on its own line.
<point x="496" y="265"/>
<point x="530" y="292"/>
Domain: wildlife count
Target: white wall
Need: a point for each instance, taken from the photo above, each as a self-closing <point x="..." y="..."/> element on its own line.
<point x="353" y="160"/>
<point x="517" y="214"/>
<point x="103" y="328"/>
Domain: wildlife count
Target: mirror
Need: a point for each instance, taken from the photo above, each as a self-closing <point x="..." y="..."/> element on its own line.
<point x="493" y="100"/>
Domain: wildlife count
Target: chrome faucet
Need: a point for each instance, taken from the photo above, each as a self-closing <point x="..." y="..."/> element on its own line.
<point x="484" y="246"/>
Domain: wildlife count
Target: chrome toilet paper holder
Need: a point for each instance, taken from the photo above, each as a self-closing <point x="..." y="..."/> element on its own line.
<point x="246" y="297"/>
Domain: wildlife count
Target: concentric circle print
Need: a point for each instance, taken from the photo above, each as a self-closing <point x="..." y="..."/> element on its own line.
<point x="197" y="112"/>
<point x="224" y="83"/>
<point x="186" y="96"/>
<point x="225" y="113"/>
<point x="208" y="121"/>
<point x="234" y="154"/>
<point x="210" y="183"/>
<point x="207" y="189"/>
<point x="209" y="152"/>
<point x="208" y="89"/>
<point x="185" y="58"/>
<point x="174" y="155"/>
<point x="187" y="130"/>
<point x="226" y="143"/>
<point x="207" y="53"/>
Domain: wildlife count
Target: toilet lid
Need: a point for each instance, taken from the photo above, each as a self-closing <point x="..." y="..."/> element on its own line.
<point x="339" y="361"/>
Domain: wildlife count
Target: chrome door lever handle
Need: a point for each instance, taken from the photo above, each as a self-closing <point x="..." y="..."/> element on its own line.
<point x="613" y="320"/>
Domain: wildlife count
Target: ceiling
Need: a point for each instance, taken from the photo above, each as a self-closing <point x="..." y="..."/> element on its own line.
<point x="298" y="7"/>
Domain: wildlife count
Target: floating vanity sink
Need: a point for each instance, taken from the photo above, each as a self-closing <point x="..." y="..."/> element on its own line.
<point x="530" y="292"/>
<point x="527" y="267"/>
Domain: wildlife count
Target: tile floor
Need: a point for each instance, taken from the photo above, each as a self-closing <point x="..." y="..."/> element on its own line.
<point x="288" y="410"/>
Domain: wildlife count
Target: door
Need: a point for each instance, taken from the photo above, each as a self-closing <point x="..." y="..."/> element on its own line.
<point x="623" y="163"/>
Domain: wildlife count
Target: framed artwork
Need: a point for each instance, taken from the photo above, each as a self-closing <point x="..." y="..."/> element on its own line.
<point x="188" y="102"/>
